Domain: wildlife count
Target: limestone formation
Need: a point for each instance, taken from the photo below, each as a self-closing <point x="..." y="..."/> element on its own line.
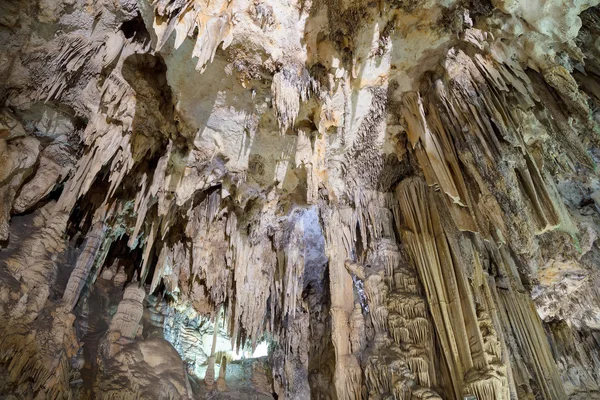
<point x="328" y="199"/>
<point x="221" y="381"/>
<point x="209" y="377"/>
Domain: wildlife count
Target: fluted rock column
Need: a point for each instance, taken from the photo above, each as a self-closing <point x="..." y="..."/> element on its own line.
<point x="85" y="263"/>
<point x="449" y="296"/>
<point x="348" y="374"/>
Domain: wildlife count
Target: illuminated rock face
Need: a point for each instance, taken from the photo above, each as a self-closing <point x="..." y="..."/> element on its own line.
<point x="395" y="199"/>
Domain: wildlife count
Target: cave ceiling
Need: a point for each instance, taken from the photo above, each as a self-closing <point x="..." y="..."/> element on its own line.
<point x="294" y="199"/>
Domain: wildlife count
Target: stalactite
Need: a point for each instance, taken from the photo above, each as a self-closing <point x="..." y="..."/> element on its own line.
<point x="291" y="86"/>
<point x="73" y="55"/>
<point x="440" y="156"/>
<point x="212" y="20"/>
<point x="445" y="149"/>
<point x="105" y="147"/>
<point x="254" y="267"/>
<point x="207" y="230"/>
<point x="456" y="324"/>
<point x="525" y="185"/>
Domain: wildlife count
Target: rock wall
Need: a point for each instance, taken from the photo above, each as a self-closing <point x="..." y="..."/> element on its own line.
<point x="400" y="196"/>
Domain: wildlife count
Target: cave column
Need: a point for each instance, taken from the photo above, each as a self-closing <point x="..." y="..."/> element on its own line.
<point x="86" y="260"/>
<point x="434" y="251"/>
<point x="347" y="369"/>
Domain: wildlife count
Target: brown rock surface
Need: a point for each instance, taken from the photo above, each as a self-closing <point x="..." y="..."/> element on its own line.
<point x="328" y="199"/>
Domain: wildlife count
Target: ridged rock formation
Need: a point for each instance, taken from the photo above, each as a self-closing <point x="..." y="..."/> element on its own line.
<point x="327" y="199"/>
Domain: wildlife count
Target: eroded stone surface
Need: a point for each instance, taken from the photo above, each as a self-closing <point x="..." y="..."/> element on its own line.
<point x="400" y="197"/>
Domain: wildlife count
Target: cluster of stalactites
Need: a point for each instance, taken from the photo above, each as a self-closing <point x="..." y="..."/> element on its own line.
<point x="216" y="260"/>
<point x="477" y="325"/>
<point x="212" y="20"/>
<point x="492" y="134"/>
<point x="219" y="260"/>
<point x="387" y="280"/>
<point x="445" y="285"/>
<point x="291" y="86"/>
<point x="472" y="136"/>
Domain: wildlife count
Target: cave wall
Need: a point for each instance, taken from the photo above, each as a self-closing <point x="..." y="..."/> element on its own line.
<point x="401" y="197"/>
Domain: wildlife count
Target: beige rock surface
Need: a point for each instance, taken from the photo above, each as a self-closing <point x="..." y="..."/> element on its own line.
<point x="391" y="199"/>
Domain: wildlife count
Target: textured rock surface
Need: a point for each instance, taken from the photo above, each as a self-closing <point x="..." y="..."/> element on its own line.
<point x="398" y="199"/>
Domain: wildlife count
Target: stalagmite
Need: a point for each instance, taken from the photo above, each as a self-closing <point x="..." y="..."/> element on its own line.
<point x="127" y="318"/>
<point x="209" y="376"/>
<point x="357" y="330"/>
<point x="221" y="383"/>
